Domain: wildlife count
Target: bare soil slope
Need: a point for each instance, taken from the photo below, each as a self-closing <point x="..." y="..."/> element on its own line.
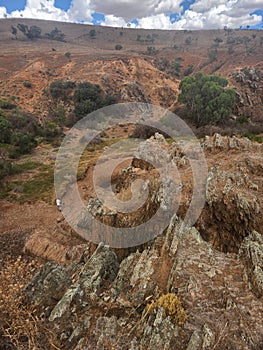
<point x="139" y="71"/>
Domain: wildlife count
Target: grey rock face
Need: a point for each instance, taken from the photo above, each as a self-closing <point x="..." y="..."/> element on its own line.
<point x="102" y="265"/>
<point x="251" y="252"/>
<point x="48" y="285"/>
<point x="159" y="332"/>
<point x="64" y="304"/>
<point x="219" y="291"/>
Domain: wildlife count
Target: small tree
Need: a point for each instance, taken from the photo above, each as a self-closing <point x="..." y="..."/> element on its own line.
<point x="89" y="97"/>
<point x="27" y="84"/>
<point x="118" y="47"/>
<point x="34" y="32"/>
<point x="207" y="98"/>
<point x="68" y="55"/>
<point x="14" y="31"/>
<point x="92" y="33"/>
<point x="176" y="68"/>
<point x="5" y="129"/>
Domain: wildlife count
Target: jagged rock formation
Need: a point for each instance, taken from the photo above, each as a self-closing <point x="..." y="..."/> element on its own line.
<point x="251" y="252"/>
<point x="249" y="87"/>
<point x="106" y="302"/>
<point x="105" y="293"/>
<point x="233" y="199"/>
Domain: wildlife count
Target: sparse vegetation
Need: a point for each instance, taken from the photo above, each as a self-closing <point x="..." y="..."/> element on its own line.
<point x="149" y="38"/>
<point x="189" y="70"/>
<point x="212" y="54"/>
<point x="151" y="50"/>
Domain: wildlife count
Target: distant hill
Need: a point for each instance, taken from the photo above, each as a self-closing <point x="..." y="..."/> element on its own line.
<point x="132" y="64"/>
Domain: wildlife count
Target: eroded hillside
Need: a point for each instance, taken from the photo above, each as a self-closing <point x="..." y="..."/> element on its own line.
<point x="148" y="67"/>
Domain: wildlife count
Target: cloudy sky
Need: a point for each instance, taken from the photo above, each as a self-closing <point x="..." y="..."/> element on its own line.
<point x="158" y="14"/>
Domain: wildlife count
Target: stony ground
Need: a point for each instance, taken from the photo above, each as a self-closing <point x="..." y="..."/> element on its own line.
<point x="200" y="295"/>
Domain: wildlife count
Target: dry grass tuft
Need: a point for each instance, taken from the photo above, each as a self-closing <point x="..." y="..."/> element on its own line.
<point x="173" y="307"/>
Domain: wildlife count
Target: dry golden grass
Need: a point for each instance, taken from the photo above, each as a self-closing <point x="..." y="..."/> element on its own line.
<point x="20" y="325"/>
<point x="173" y="307"/>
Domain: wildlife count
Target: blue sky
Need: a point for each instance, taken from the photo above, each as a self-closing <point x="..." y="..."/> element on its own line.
<point x="158" y="14"/>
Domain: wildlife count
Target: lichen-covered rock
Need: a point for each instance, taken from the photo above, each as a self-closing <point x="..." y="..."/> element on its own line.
<point x="159" y="332"/>
<point x="48" y="285"/>
<point x="251" y="253"/>
<point x="232" y="208"/>
<point x="247" y="82"/>
<point x="155" y="151"/>
<point x="219" y="142"/>
<point x="135" y="278"/>
<point x="195" y="341"/>
<point x="64" y="304"/>
<point x="103" y="265"/>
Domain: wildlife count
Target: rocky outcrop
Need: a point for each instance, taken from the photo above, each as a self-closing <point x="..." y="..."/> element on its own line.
<point x="248" y="84"/>
<point x="251" y="252"/>
<point x="234" y="191"/>
<point x="233" y="205"/>
<point x="122" y="300"/>
<point x="106" y="303"/>
<point x="48" y="285"/>
<point x="224" y="143"/>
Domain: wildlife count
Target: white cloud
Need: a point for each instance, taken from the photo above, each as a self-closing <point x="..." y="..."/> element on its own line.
<point x="161" y="21"/>
<point x="2" y="12"/>
<point x="202" y="14"/>
<point x="202" y="6"/>
<point x="80" y="10"/>
<point x="44" y="9"/>
<point x="113" y="21"/>
<point x="213" y="14"/>
<point x="130" y="9"/>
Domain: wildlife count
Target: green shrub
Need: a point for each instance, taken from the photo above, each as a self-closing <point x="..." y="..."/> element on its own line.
<point x="61" y="90"/>
<point x="176" y="68"/>
<point x="56" y="34"/>
<point x="68" y="55"/>
<point x="207" y="98"/>
<point x="253" y="137"/>
<point x="88" y="98"/>
<point x="242" y="120"/>
<point x="5" y="130"/>
<point x="27" y="84"/>
<point x="151" y="50"/>
<point x="118" y="47"/>
<point x="24" y="142"/>
<point x="5" y="104"/>
<point x="188" y="40"/>
<point x="92" y="33"/>
<point x="189" y="70"/>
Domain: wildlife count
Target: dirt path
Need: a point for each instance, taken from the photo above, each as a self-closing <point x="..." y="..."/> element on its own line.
<point x="17" y="222"/>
